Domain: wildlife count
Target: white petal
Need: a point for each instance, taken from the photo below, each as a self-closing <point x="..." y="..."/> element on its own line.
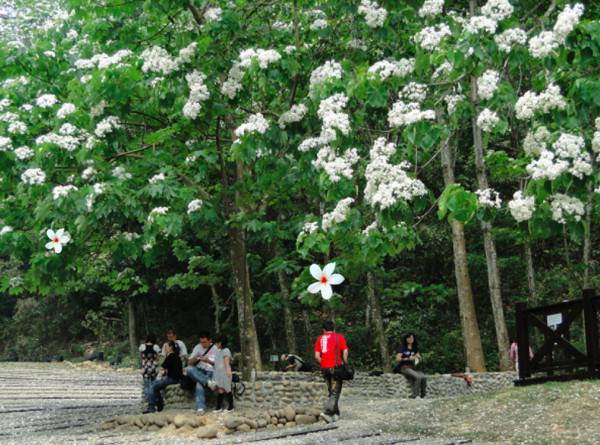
<point x="327" y="292"/>
<point x="315" y="271"/>
<point x="58" y="247"/>
<point x="328" y="270"/>
<point x="64" y="239"/>
<point x="315" y="287"/>
<point x="50" y="234"/>
<point x="50" y="245"/>
<point x="336" y="278"/>
<point x="59" y="233"/>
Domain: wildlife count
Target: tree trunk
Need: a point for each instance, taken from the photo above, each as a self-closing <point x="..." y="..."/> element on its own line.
<point x="215" y="300"/>
<point x="533" y="298"/>
<point x="132" y="333"/>
<point x="288" y="320"/>
<point x="308" y="329"/>
<point x="249" y="340"/>
<point x="587" y="238"/>
<point x="468" y="318"/>
<point x="378" y="320"/>
<point x="493" y="270"/>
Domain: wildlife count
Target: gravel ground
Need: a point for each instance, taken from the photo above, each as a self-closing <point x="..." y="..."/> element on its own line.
<point x="56" y="404"/>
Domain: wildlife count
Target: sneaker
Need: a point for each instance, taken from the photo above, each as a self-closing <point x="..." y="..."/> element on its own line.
<point x="217" y="411"/>
<point x="230" y="410"/>
<point x="212" y="384"/>
<point x="326" y="417"/>
<point x="335" y="417"/>
<point x="199" y="411"/>
<point x="148" y="411"/>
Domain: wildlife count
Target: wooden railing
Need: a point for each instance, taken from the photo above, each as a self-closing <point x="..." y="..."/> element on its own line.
<point x="557" y="356"/>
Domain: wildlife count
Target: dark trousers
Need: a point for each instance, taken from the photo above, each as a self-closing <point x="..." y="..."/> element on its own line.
<point x="334" y="387"/>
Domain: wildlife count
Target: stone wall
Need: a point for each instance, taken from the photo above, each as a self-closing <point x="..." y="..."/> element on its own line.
<point x="275" y="390"/>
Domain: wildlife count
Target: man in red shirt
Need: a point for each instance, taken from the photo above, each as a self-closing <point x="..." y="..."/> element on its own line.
<point x="325" y="351"/>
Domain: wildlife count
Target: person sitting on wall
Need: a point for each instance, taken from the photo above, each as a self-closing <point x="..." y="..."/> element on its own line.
<point x="295" y="363"/>
<point x="172" y="371"/>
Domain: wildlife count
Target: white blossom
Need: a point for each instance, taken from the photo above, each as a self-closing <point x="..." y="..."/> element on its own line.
<point x="487" y="84"/>
<point x="61" y="191"/>
<point x="388" y="183"/>
<point x="157" y="211"/>
<point x="535" y="143"/>
<point x="255" y="122"/>
<point x="65" y="110"/>
<point x="452" y="100"/>
<point x="521" y="207"/>
<point x="497" y="9"/>
<point x="414" y="92"/>
<point x="33" y="176"/>
<point x="338" y="215"/>
<point x="403" y="114"/>
<point x="191" y="110"/>
<point x="158" y="177"/>
<point x="5" y="229"/>
<point x="295" y="114"/>
<point x="543" y="44"/>
<point x="563" y="205"/>
<point x="319" y="24"/>
<point x="330" y="69"/>
<point x="551" y="98"/>
<point x="547" y="167"/>
<point x="481" y="22"/>
<point x="24" y="152"/>
<point x="46" y="100"/>
<point x="309" y="228"/>
<point x="431" y="8"/>
<point x="194" y="206"/>
<point x="185" y="54"/>
<point x="17" y="127"/>
<point x="119" y="172"/>
<point x="430" y="37"/>
<point x="88" y="173"/>
<point x="265" y="57"/>
<point x="213" y="14"/>
<point x="158" y="60"/>
<point x="107" y="125"/>
<point x="386" y="68"/>
<point x="374" y="15"/>
<point x="527" y="105"/>
<point x="507" y="39"/>
<point x="487" y="120"/>
<point x="336" y="166"/>
<point x="489" y="198"/>
<point x="567" y="20"/>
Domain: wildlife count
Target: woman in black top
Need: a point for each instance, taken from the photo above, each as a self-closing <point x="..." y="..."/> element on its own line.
<point x="171" y="372"/>
<point x="409" y="357"/>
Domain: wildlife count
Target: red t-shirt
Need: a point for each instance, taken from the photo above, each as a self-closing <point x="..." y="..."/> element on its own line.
<point x="326" y="346"/>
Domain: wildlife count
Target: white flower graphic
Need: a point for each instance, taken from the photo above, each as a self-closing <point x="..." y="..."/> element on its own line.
<point x="58" y="239"/>
<point x="325" y="279"/>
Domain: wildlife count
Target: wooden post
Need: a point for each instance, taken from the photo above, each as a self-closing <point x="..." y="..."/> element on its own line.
<point x="591" y="331"/>
<point x="523" y="341"/>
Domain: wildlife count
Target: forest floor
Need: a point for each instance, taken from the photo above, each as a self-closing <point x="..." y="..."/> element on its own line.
<point x="56" y="403"/>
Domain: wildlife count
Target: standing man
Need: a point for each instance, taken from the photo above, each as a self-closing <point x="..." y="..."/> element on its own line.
<point x="201" y="367"/>
<point x="325" y="351"/>
<point x="171" y="336"/>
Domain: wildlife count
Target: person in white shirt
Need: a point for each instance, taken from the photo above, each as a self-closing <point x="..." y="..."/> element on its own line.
<point x="201" y="367"/>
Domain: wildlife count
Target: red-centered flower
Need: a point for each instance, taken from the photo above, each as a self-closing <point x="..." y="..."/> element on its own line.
<point x="58" y="239"/>
<point x="325" y="278"/>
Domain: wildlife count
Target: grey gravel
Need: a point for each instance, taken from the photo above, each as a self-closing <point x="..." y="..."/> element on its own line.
<point x="53" y="403"/>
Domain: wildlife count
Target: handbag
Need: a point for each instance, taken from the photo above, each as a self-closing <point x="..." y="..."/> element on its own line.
<point x="342" y="371"/>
